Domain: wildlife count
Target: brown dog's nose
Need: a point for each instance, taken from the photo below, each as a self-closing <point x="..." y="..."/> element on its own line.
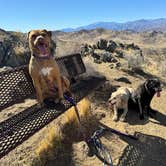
<point x="40" y="38"/>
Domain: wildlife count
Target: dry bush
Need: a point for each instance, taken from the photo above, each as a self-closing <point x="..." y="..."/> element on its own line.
<point x="19" y="50"/>
<point x="135" y="61"/>
<point x="66" y="131"/>
<point x="162" y="67"/>
<point x="17" y="34"/>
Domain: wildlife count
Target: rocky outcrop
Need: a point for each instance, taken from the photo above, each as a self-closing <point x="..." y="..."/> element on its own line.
<point x="102" y="44"/>
<point x="14" y="49"/>
<point x="111" y="46"/>
<point x="110" y="52"/>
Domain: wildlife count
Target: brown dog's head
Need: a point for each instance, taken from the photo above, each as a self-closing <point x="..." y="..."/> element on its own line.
<point x="40" y="42"/>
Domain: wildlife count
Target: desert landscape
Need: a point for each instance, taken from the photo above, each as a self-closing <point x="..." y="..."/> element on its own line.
<point x="125" y="58"/>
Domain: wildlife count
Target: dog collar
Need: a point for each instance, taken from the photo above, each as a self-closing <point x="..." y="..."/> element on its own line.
<point x="147" y="88"/>
<point x="38" y="57"/>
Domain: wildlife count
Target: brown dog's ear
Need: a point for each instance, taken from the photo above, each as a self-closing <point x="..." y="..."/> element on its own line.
<point x="48" y="32"/>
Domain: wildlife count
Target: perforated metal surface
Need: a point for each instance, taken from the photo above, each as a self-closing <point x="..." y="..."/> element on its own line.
<point x="148" y="151"/>
<point x="16" y="85"/>
<point x="21" y="126"/>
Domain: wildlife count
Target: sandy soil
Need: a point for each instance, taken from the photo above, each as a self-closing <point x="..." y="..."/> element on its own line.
<point x="148" y="151"/>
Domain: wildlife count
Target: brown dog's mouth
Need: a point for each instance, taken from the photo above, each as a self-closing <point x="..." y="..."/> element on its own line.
<point x="43" y="49"/>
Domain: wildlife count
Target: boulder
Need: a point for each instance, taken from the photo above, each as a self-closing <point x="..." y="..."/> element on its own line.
<point x="117" y="65"/>
<point x="102" y="44"/>
<point x="84" y="49"/>
<point x="119" y="54"/>
<point x="114" y="60"/>
<point x="132" y="46"/>
<point x="97" y="61"/>
<point x="5" y="52"/>
<point x="95" y="55"/>
<point x="94" y="46"/>
<point x="111" y="46"/>
<point x="121" y="45"/>
<point x="106" y="57"/>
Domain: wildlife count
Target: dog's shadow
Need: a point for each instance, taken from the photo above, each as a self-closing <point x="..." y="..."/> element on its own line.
<point x="148" y="150"/>
<point x="133" y="118"/>
<point x="159" y="118"/>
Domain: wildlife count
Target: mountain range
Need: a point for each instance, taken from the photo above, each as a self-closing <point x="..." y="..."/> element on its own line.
<point x="137" y="26"/>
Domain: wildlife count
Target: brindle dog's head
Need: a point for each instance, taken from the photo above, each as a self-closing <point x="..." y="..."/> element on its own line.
<point x="40" y="43"/>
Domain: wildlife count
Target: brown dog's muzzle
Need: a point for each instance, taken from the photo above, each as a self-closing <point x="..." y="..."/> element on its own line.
<point x="42" y="45"/>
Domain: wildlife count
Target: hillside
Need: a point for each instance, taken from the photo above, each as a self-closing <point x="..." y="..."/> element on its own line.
<point x="152" y="43"/>
<point x="14" y="49"/>
<point x="104" y="52"/>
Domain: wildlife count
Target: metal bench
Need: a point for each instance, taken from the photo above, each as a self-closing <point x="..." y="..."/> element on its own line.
<point x="16" y="86"/>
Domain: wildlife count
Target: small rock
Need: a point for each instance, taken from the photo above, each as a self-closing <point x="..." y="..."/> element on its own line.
<point x="98" y="61"/>
<point x="106" y="57"/>
<point x="118" y="65"/>
<point x="112" y="65"/>
<point x="96" y="56"/>
<point x="114" y="60"/>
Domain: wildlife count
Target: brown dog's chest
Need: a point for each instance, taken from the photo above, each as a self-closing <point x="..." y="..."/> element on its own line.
<point x="47" y="73"/>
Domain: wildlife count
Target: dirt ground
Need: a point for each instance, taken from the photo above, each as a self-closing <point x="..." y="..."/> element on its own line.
<point x="149" y="150"/>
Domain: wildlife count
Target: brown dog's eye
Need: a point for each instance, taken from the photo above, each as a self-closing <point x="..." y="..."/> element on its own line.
<point x="34" y="36"/>
<point x="44" y="35"/>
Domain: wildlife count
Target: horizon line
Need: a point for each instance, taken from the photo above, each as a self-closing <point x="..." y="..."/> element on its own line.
<point x="79" y="26"/>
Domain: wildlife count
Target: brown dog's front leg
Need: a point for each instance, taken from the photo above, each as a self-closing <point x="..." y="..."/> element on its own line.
<point x="59" y="86"/>
<point x="37" y="86"/>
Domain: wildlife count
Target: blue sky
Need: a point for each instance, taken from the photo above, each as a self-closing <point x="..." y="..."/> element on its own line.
<point x="24" y="15"/>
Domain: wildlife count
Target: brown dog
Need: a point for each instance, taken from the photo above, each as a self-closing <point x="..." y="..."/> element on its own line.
<point x="43" y="68"/>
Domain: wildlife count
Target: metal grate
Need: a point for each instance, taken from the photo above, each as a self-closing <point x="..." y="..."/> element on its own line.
<point x="16" y="85"/>
<point x="148" y="151"/>
<point x="21" y="126"/>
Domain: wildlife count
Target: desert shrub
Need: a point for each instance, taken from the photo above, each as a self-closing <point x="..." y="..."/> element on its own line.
<point x="162" y="67"/>
<point x="135" y="61"/>
<point x="61" y="135"/>
<point x="17" y="35"/>
<point x="19" y="50"/>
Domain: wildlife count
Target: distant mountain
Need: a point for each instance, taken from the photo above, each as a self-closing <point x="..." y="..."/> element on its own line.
<point x="68" y="30"/>
<point x="138" y="25"/>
